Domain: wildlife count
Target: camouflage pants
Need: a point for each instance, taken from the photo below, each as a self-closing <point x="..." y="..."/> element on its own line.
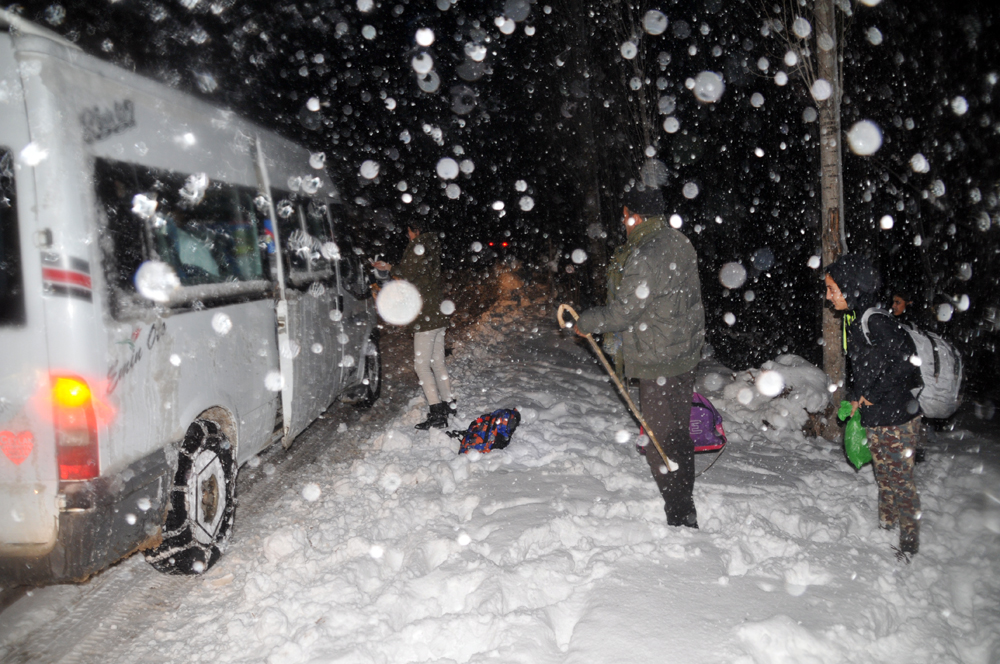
<point x="892" y="458"/>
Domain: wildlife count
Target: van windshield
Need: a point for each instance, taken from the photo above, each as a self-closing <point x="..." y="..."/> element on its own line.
<point x="11" y="284"/>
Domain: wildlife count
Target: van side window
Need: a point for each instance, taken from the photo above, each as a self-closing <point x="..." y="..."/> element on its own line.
<point x="207" y="232"/>
<point x="351" y="274"/>
<point x="348" y="262"/>
<point x="305" y="239"/>
<point x="359" y="284"/>
<point x="124" y="247"/>
<point x="11" y="284"/>
<point x="210" y="242"/>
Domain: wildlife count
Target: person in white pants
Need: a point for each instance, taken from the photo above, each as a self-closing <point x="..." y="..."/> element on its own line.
<point x="428" y="361"/>
<point x="421" y="266"/>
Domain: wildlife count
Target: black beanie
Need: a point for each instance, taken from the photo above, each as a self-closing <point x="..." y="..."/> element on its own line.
<point x="645" y="201"/>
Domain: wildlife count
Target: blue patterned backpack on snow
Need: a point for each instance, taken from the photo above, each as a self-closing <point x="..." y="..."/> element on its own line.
<point x="490" y="431"/>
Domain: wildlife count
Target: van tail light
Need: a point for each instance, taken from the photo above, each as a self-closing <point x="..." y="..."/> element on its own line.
<point x="76" y="429"/>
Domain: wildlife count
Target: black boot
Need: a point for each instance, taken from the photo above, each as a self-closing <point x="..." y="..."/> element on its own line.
<point x="437" y="418"/>
<point x="689" y="520"/>
<point x="909" y="543"/>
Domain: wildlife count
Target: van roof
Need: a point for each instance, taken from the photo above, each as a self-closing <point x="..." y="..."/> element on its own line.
<point x="21" y="25"/>
<point x="38" y="39"/>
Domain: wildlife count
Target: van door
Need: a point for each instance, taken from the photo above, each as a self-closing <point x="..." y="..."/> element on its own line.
<point x="29" y="475"/>
<point x="313" y="346"/>
<point x="355" y="296"/>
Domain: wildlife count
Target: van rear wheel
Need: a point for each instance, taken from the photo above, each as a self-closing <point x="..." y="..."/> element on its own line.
<point x="202" y="503"/>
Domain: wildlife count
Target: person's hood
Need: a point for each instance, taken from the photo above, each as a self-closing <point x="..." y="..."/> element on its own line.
<point x="857" y="279"/>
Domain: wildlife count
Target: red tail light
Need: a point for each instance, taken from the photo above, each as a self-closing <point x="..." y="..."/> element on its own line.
<point x="76" y="429"/>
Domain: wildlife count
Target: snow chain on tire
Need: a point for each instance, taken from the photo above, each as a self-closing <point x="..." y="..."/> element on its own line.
<point x="201" y="505"/>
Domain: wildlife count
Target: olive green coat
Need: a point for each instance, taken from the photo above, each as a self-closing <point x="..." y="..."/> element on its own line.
<point x="421" y="266"/>
<point x="656" y="305"/>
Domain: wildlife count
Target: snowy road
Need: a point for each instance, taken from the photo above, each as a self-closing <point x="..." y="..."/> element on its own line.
<point x="556" y="549"/>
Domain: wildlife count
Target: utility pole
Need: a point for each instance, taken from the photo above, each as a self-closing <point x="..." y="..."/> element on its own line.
<point x="831" y="185"/>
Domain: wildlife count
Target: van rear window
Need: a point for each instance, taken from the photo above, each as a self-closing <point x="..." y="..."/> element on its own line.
<point x="11" y="283"/>
<point x="208" y="233"/>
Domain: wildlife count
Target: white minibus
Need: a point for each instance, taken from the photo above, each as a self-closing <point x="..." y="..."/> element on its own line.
<point x="177" y="293"/>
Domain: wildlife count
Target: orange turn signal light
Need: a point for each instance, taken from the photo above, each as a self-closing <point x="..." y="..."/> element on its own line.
<point x="70" y="392"/>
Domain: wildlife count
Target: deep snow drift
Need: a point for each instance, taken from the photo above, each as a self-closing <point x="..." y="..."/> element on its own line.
<point x="556" y="549"/>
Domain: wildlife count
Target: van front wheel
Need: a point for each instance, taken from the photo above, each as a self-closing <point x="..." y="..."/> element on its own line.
<point x="201" y="505"/>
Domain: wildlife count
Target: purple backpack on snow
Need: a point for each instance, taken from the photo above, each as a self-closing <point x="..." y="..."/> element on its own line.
<point x="706" y="425"/>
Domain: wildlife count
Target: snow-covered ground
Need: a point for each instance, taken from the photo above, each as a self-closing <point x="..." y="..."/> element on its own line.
<point x="556" y="548"/>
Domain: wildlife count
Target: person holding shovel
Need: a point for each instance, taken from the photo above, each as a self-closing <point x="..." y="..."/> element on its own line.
<point x="655" y="314"/>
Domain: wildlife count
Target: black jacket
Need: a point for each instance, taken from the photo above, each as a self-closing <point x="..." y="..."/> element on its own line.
<point x="879" y="369"/>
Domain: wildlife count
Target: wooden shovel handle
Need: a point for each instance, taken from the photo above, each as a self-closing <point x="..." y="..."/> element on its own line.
<point x="671" y="465"/>
<point x="563" y="308"/>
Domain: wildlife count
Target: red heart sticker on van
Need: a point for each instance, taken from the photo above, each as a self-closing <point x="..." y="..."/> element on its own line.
<point x="17" y="447"/>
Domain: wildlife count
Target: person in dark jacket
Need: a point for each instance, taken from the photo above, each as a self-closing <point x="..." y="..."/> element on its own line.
<point x="656" y="322"/>
<point x="882" y="377"/>
<point x="421" y="266"/>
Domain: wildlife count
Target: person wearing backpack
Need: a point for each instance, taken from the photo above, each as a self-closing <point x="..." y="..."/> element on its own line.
<point x="421" y="266"/>
<point x="904" y="309"/>
<point x="655" y="319"/>
<point x="902" y="306"/>
<point x="882" y="378"/>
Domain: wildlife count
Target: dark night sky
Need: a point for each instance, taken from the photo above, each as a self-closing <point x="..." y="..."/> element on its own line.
<point x="267" y="59"/>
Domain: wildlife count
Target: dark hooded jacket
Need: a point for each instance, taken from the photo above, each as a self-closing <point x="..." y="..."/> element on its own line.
<point x="654" y="302"/>
<point x="879" y="366"/>
<point x="421" y="266"/>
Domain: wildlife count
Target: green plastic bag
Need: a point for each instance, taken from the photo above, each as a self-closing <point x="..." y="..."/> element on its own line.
<point x="855" y="436"/>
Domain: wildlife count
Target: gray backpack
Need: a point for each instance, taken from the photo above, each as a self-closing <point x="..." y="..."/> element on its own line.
<point x="940" y="368"/>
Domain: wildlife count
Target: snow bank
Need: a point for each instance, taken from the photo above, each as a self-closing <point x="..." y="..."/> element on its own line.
<point x="749" y="398"/>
